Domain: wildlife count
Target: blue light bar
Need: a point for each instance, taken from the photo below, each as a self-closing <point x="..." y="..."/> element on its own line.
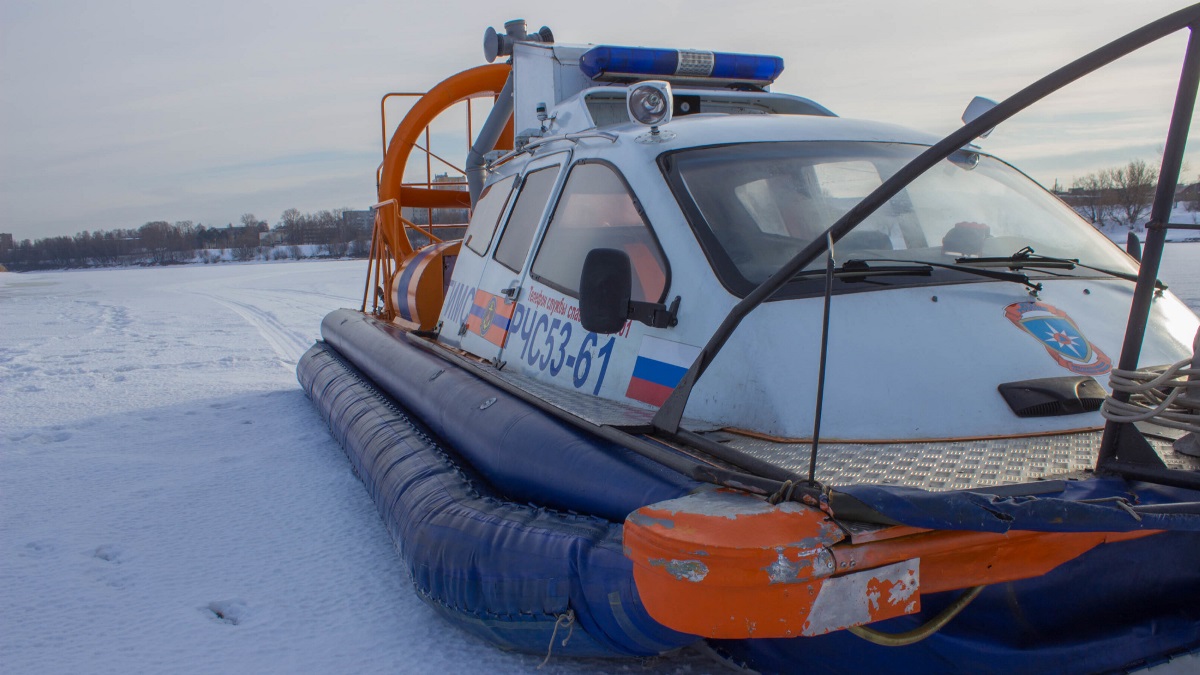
<point x="614" y="63"/>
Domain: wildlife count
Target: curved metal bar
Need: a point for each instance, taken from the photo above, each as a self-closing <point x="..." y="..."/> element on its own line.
<point x="1160" y="213"/>
<point x="669" y="415"/>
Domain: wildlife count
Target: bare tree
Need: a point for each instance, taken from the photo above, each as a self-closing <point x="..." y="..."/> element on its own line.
<point x="157" y="239"/>
<point x="1133" y="191"/>
<point x="160" y="242"/>
<point x="290" y="221"/>
<point x="1095" y="198"/>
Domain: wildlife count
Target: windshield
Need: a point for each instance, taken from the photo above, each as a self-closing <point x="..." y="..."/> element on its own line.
<point x="755" y="205"/>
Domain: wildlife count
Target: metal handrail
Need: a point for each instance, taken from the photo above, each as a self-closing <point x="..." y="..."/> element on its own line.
<point x="533" y="145"/>
<point x="383" y="114"/>
<point x="383" y="129"/>
<point x="381" y="259"/>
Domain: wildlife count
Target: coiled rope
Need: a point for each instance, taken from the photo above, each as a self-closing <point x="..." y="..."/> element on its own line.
<point x="1165" y="398"/>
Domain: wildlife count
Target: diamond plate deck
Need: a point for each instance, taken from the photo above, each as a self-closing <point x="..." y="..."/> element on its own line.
<point x="940" y="466"/>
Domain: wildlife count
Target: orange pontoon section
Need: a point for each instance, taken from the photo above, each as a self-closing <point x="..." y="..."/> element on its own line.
<point x="725" y="564"/>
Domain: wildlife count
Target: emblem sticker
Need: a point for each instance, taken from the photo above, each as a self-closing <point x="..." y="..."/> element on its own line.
<point x="1063" y="340"/>
<point x="489" y="317"/>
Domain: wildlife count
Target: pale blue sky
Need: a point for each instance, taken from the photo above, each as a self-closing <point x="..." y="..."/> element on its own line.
<point x="113" y="114"/>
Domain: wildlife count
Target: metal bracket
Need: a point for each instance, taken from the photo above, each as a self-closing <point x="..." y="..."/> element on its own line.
<point x="655" y="314"/>
<point x="1172" y="226"/>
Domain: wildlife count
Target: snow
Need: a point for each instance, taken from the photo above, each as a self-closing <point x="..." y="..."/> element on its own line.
<point x="171" y="502"/>
<point x="1180" y="215"/>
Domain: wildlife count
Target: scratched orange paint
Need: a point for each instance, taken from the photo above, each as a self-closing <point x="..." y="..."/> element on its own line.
<point x="726" y="566"/>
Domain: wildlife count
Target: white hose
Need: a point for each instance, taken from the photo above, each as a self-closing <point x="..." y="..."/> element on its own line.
<point x="1163" y="398"/>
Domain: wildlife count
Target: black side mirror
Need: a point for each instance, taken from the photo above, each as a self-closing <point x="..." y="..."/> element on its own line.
<point x="1133" y="246"/>
<point x="605" y="288"/>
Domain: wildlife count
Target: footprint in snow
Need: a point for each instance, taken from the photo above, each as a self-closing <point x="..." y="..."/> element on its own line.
<point x="55" y="437"/>
<point x="109" y="574"/>
<point x="109" y="553"/>
<point x="232" y="612"/>
<point x="38" y="549"/>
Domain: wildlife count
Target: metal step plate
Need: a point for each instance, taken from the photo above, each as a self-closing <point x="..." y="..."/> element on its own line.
<point x="942" y="465"/>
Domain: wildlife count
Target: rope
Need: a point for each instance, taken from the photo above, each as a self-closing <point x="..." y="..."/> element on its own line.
<point x="921" y="632"/>
<point x="569" y="618"/>
<point x="1162" y="398"/>
<point x="784" y="494"/>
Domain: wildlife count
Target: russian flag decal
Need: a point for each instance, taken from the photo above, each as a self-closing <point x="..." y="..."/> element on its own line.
<point x="660" y="366"/>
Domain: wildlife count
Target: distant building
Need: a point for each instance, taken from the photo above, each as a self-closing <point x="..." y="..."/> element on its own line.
<point x="459" y="217"/>
<point x="453" y="182"/>
<point x="6" y="242"/>
<point x="358" y="221"/>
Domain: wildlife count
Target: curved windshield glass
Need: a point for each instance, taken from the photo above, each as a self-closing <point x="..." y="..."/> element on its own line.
<point x="755" y="205"/>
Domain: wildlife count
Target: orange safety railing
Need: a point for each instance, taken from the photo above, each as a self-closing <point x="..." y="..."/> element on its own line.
<point x="390" y="243"/>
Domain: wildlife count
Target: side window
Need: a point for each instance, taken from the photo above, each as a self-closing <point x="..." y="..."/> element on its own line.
<point x="596" y="210"/>
<point x="525" y="216"/>
<point x="487" y="213"/>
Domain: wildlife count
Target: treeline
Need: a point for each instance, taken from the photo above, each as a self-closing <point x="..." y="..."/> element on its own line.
<point x="337" y="233"/>
<point x="1122" y="195"/>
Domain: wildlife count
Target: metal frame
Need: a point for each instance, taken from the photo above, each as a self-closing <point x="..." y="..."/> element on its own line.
<point x="390" y="243"/>
<point x="429" y="157"/>
<point x="1114" y="447"/>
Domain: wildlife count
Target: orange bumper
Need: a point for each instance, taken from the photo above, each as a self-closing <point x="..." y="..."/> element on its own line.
<point x="724" y="564"/>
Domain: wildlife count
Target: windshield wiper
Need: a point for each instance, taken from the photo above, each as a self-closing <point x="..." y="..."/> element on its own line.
<point x="1027" y="257"/>
<point x="860" y="269"/>
<point x="1015" y="277"/>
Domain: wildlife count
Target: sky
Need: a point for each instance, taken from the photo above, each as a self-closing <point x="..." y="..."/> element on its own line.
<point x="116" y="113"/>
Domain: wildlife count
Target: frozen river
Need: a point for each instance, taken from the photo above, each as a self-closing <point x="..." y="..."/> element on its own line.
<point x="171" y="502"/>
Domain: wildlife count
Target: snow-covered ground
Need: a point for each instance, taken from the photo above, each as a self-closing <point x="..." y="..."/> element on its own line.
<point x="1181" y="215"/>
<point x="171" y="502"/>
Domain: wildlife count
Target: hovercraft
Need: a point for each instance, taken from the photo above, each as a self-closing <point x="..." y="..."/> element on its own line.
<point x="710" y="363"/>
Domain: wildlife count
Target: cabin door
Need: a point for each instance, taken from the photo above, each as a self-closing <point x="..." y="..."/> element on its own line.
<point x="485" y="332"/>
